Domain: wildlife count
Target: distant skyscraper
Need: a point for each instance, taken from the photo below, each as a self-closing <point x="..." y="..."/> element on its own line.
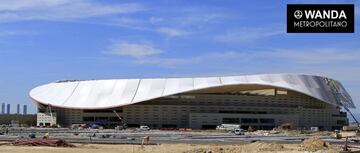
<point x="8" y="109"/>
<point x="25" y="110"/>
<point x="18" y="109"/>
<point x="3" y="108"/>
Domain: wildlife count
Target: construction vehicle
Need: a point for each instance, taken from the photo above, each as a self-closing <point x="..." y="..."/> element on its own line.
<point x="239" y="131"/>
<point x="341" y="100"/>
<point x="143" y="128"/>
<point x="122" y="125"/>
<point x="352" y="115"/>
<point x="286" y="126"/>
<point x="228" y="127"/>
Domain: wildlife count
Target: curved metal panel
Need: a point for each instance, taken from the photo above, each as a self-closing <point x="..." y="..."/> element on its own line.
<point x="175" y="85"/>
<point x="114" y="93"/>
<point x="100" y="95"/>
<point x="230" y="80"/>
<point x="43" y="92"/>
<point x="65" y="91"/>
<point x="123" y="92"/>
<point x="149" y="89"/>
<point x="208" y="82"/>
<point x="79" y="98"/>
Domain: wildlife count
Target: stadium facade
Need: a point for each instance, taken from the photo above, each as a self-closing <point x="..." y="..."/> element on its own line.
<point x="260" y="101"/>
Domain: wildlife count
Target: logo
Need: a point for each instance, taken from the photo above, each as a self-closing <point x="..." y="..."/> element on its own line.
<point x="298" y="14"/>
<point x="320" y="18"/>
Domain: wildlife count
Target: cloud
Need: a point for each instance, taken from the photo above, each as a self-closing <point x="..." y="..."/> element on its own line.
<point x="60" y="9"/>
<point x="10" y="5"/>
<point x="172" y="22"/>
<point x="11" y="33"/>
<point x="172" y="32"/>
<point x="202" y="58"/>
<point x="330" y="62"/>
<point x="195" y="17"/>
<point x="147" y="54"/>
<point x="155" y="20"/>
<point x="134" y="50"/>
<point x="128" y="22"/>
<point x="248" y="34"/>
<point x="317" y="55"/>
<point x="194" y="20"/>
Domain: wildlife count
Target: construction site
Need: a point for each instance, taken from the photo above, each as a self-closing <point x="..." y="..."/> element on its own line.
<point x="176" y="140"/>
<point x="253" y="113"/>
<point x="175" y="76"/>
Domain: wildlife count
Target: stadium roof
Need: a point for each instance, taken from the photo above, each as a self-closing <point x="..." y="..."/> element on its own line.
<point x="99" y="94"/>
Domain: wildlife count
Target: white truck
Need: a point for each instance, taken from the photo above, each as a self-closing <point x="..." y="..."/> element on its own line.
<point x="143" y="128"/>
<point x="239" y="132"/>
<point x="228" y="127"/>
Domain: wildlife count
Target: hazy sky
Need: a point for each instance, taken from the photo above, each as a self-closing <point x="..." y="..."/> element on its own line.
<point x="46" y="40"/>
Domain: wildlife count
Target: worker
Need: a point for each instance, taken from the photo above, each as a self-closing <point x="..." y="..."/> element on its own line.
<point x="146" y="140"/>
<point x="46" y="136"/>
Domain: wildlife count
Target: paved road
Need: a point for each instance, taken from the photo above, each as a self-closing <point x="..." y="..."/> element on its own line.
<point x="157" y="137"/>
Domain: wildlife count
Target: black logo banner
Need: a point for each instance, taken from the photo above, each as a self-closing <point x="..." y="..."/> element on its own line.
<point x="320" y="18"/>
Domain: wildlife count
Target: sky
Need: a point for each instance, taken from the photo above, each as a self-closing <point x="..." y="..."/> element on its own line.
<point x="42" y="41"/>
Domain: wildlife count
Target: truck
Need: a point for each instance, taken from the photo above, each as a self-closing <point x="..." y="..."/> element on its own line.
<point x="228" y="127"/>
<point x="239" y="132"/>
<point x="143" y="128"/>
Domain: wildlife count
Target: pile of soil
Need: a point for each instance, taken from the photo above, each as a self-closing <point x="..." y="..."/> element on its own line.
<point x="212" y="149"/>
<point x="293" y="133"/>
<point x="199" y="150"/>
<point x="261" y="146"/>
<point x="248" y="148"/>
<point x="314" y="144"/>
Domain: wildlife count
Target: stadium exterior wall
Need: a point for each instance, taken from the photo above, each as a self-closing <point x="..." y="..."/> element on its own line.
<point x="138" y="99"/>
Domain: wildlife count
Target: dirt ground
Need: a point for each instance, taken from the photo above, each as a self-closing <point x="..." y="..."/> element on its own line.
<point x="172" y="148"/>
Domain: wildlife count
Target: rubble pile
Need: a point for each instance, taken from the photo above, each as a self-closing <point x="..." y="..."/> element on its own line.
<point x="314" y="144"/>
<point x="52" y="142"/>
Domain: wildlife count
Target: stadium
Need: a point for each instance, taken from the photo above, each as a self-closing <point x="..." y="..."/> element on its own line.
<point x="260" y="101"/>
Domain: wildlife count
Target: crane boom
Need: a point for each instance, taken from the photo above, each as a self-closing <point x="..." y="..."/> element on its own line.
<point x="120" y="118"/>
<point x="340" y="97"/>
<point x="352" y="115"/>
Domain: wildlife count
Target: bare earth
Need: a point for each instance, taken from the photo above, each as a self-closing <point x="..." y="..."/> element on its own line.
<point x="168" y="148"/>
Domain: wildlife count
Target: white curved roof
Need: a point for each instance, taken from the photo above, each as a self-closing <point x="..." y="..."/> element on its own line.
<point x="97" y="94"/>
